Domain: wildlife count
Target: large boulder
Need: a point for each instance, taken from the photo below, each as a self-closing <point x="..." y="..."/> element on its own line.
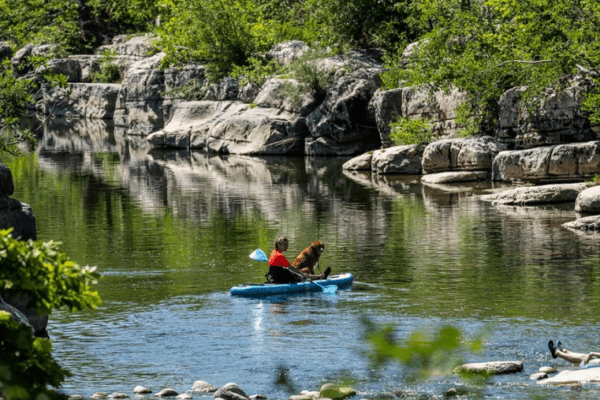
<point x="491" y="368"/>
<point x="558" y="118"/>
<point x="359" y="163"/>
<point x="398" y="160"/>
<point x="20" y="57"/>
<point x="588" y="201"/>
<point x="386" y="106"/>
<point x="232" y="127"/>
<point x="559" y="193"/>
<point x="13" y="213"/>
<point x="438" y="107"/>
<point x="575" y="161"/>
<point x="86" y="100"/>
<point x="470" y="154"/>
<point x="342" y="125"/>
<point x="63" y="66"/>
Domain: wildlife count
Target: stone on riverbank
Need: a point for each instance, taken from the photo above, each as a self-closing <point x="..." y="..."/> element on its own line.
<point x="232" y="127"/>
<point x="586" y="224"/>
<point x="398" y="160"/>
<point x="577" y="161"/>
<point x="117" y="395"/>
<point x="184" y="396"/>
<point x="538" y="375"/>
<point x="491" y="368"/>
<point x="334" y="392"/>
<point x="98" y="395"/>
<point x="588" y="201"/>
<point x="455" y="176"/>
<point x="587" y="375"/>
<point x="202" y="386"/>
<point x="359" y="163"/>
<point x="141" y="390"/>
<point x="231" y="391"/>
<point x="538" y="194"/>
<point x="475" y="153"/>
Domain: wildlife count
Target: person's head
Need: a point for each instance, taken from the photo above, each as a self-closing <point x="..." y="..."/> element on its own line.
<point x="281" y="243"/>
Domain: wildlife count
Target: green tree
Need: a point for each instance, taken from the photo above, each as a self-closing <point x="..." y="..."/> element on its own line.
<point x="43" y="273"/>
<point x="486" y="47"/>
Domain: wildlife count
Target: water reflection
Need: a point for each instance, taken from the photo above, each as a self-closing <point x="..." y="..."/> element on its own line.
<point x="172" y="230"/>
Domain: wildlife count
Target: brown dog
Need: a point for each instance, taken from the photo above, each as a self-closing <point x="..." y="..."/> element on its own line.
<point x="308" y="259"/>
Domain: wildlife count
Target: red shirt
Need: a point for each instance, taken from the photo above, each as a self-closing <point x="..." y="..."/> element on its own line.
<point x="277" y="259"/>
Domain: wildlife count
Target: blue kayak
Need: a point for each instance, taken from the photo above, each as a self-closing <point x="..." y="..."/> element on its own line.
<point x="268" y="289"/>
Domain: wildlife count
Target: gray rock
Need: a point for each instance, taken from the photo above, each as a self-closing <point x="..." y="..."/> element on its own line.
<point x="118" y="395"/>
<point x="271" y="96"/>
<point x="7" y="187"/>
<point x="343" y="120"/>
<point x="232" y="127"/>
<point x="227" y="89"/>
<point x="470" y="154"/>
<point x="588" y="201"/>
<point x="15" y="314"/>
<point x="285" y="53"/>
<point x="231" y="391"/>
<point x="589" y="375"/>
<point x="248" y="92"/>
<point x="99" y="395"/>
<point x="63" y="66"/>
<point x="141" y="390"/>
<point x="586" y="224"/>
<point x="548" y="370"/>
<point x="87" y="100"/>
<point x="31" y="50"/>
<point x="457" y="176"/>
<point x="492" y="368"/>
<point x="398" y="160"/>
<point x="439" y="108"/>
<point x="185" y="396"/>
<point x="386" y="106"/>
<point x="138" y="46"/>
<point x="576" y="161"/>
<point x="558" y="193"/>
<point x="359" y="163"/>
<point x="167" y="392"/>
<point x="202" y="386"/>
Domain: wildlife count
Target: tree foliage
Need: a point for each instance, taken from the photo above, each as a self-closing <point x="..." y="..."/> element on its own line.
<point x="43" y="273"/>
<point x="27" y="365"/>
<point x="487" y="47"/>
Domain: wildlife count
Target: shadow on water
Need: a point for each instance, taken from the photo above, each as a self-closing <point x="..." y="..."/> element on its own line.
<point x="172" y="230"/>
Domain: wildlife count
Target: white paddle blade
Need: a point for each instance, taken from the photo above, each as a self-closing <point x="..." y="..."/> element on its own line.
<point x="258" y="255"/>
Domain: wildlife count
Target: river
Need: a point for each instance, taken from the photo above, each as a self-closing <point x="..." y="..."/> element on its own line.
<point x="171" y="231"/>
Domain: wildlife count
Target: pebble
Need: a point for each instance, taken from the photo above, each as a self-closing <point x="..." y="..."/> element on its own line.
<point x="99" y="395"/>
<point x="548" y="370"/>
<point x="141" y="390"/>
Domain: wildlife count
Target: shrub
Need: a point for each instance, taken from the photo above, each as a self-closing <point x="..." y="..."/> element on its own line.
<point x="311" y="80"/>
<point x="109" y="71"/>
<point x="412" y="131"/>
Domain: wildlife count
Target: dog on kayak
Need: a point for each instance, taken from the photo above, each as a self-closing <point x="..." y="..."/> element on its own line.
<point x="308" y="259"/>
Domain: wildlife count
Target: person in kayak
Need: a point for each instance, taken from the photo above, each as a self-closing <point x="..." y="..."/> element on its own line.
<point x="282" y="271"/>
<point x="571" y="356"/>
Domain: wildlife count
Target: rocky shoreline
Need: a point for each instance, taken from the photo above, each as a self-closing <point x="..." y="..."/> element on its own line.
<point x="553" y="144"/>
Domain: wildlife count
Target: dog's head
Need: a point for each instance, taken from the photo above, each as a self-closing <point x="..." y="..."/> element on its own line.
<point x="317" y="248"/>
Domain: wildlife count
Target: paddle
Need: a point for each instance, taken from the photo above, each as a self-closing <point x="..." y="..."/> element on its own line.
<point x="259" y="255"/>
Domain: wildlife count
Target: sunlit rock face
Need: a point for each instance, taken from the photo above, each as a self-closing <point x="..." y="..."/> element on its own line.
<point x="588" y="201"/>
<point x="543" y="194"/>
<point x="576" y="162"/>
<point x="469" y="154"/>
<point x="85" y="100"/>
<point x="557" y="117"/>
